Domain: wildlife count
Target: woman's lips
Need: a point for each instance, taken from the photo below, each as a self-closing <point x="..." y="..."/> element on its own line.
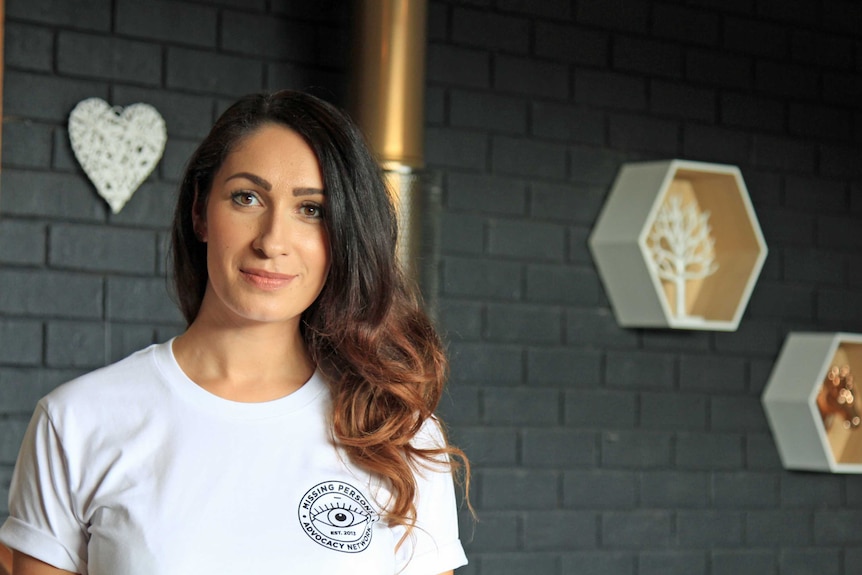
<point x="264" y="279"/>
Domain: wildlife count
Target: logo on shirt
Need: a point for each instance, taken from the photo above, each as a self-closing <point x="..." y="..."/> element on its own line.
<point x="338" y="516"/>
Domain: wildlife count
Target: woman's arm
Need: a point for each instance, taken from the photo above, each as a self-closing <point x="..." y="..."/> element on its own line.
<point x="25" y="565"/>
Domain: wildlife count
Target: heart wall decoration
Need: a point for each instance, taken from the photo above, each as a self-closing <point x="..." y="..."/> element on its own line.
<point x="117" y="147"/>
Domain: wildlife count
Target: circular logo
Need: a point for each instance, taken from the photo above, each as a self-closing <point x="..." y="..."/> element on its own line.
<point x="338" y="516"/>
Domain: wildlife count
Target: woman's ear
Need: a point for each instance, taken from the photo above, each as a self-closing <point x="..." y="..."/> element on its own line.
<point x="199" y="220"/>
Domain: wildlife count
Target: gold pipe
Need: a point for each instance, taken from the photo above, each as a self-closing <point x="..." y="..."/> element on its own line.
<point x="388" y="79"/>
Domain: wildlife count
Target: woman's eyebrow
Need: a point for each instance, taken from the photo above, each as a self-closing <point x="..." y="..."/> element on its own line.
<point x="258" y="181"/>
<point x="308" y="192"/>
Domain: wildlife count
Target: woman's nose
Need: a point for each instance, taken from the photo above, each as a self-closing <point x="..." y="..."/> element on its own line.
<point x="273" y="235"/>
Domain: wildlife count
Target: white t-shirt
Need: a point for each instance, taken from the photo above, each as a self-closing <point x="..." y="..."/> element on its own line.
<point x="135" y="469"/>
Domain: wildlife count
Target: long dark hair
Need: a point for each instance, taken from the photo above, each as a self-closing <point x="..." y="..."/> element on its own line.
<point x="366" y="331"/>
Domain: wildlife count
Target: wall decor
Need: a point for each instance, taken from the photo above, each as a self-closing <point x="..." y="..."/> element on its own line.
<point x="677" y="244"/>
<point x="812" y="402"/>
<point x="117" y="147"/>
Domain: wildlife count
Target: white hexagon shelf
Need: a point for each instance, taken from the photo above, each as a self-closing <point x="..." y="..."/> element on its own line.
<point x="678" y="245"/>
<point x="812" y="405"/>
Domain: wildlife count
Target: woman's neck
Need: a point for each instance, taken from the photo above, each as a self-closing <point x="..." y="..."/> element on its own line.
<point x="253" y="363"/>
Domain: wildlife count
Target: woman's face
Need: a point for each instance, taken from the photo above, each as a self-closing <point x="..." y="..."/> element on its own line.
<point x="267" y="246"/>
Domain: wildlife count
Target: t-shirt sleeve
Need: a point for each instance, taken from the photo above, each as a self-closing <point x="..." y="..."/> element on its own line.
<point x="42" y="521"/>
<point x="433" y="547"/>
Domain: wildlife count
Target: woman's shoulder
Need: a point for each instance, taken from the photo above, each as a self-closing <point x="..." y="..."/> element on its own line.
<point x="124" y="381"/>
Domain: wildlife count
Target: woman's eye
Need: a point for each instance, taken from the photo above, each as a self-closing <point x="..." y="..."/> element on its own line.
<point x="244" y="199"/>
<point x="314" y="211"/>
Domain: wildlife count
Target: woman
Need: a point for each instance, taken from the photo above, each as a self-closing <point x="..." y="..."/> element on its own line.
<point x="289" y="429"/>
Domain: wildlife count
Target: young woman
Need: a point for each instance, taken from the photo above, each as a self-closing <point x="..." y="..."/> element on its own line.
<point x="289" y="429"/>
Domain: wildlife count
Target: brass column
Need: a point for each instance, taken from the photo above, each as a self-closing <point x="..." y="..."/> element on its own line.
<point x="387" y="100"/>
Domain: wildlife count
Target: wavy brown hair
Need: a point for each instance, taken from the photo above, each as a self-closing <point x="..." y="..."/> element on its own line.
<point x="366" y="331"/>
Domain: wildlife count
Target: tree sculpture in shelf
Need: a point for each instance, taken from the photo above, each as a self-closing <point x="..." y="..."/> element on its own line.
<point x="682" y="246"/>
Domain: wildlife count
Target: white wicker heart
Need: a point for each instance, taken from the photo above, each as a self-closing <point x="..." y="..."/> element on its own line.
<point x="118" y="148"/>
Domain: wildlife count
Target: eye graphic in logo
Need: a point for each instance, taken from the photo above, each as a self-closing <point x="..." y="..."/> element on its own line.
<point x="338" y="516"/>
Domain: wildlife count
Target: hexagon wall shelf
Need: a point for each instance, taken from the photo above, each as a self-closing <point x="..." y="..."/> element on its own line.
<point x="678" y="245"/>
<point x="810" y="434"/>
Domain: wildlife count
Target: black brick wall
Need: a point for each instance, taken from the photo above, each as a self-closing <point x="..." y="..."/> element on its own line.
<point x="596" y="449"/>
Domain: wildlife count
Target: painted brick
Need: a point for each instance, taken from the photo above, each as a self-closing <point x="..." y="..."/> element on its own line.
<point x="488" y="111"/>
<point x="76" y="344"/>
<point x="815" y="194"/>
<point x="610" y="90"/>
<point x="20" y="342"/>
<point x="486" y="194"/>
<point x="563" y="366"/>
<point x="569" y="203"/>
<point x="536" y="241"/>
<point x="565" y="122"/>
<point x="28" y="47"/>
<point x="709" y="528"/>
<point x="526" y="324"/>
<point x="677" y="340"/>
<point x="814" y="47"/>
<point x="497" y="531"/>
<point x="323" y="10"/>
<point x="802" y="561"/>
<point x="140" y="299"/>
<point x="641" y="370"/>
<point x="786" y="227"/>
<point x="639" y="529"/>
<point x="87" y="14"/>
<point x="495" y="364"/>
<point x="717" y="68"/>
<point x="751" y="111"/>
<point x="682" y="101"/>
<point x="109" y="58"/>
<point x="743" y="562"/>
<point x="841" y="16"/>
<point x="597" y="326"/>
<point x="805" y="490"/>
<point x="460" y="320"/>
<point x="647" y="56"/>
<point x="598" y="563"/>
<point x="460" y="404"/>
<point x="709" y="451"/>
<point x="709" y="373"/>
<point x="201" y="71"/>
<point x="458" y="66"/>
<point x="782" y="301"/>
<point x="24" y="386"/>
<point x="600" y="409"/>
<point x="579" y="252"/>
<point x="788" y="80"/>
<point x="125" y="339"/>
<point x="438" y="22"/>
<point x="514" y="563"/>
<point x="672" y="563"/>
<point x="755" y="37"/>
<point x="152" y="205"/>
<point x="485" y="29"/>
<point x="820" y="122"/>
<point x="572" y="44"/>
<point x="462" y="233"/>
<point x="599" y="489"/>
<point x="745" y="490"/>
<point x="11" y="434"/>
<point x="715" y="144"/>
<point x="839" y="305"/>
<point x="549" y="8"/>
<point x="174" y="22"/>
<point x="27" y="144"/>
<point x="519" y="489"/>
<point x="457" y="149"/>
<point x="636" y="449"/>
<point x="627" y="15"/>
<point x="674" y="490"/>
<point x="185" y="115"/>
<point x="559" y="530"/>
<point x="835" y="527"/>
<point x="481" y="278"/>
<point x="558" y="448"/>
<point x="531" y="77"/>
<point x="49" y="98"/>
<point x="774" y="527"/>
<point x="752" y="338"/>
<point x="839" y="162"/>
<point x="518" y="406"/>
<point x="595" y="166"/>
<point x="797" y="11"/>
<point x="38" y="293"/>
<point x="841" y="88"/>
<point x="687" y="25"/>
<point x="562" y="284"/>
<point x="21" y="241"/>
<point x="489" y="446"/>
<point x="673" y="411"/>
<point x="761" y="453"/>
<point x="102" y="249"/>
<point x="174" y="159"/>
<point x="737" y="413"/>
<point x="630" y="132"/>
<point x="528" y="158"/>
<point x="276" y="38"/>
